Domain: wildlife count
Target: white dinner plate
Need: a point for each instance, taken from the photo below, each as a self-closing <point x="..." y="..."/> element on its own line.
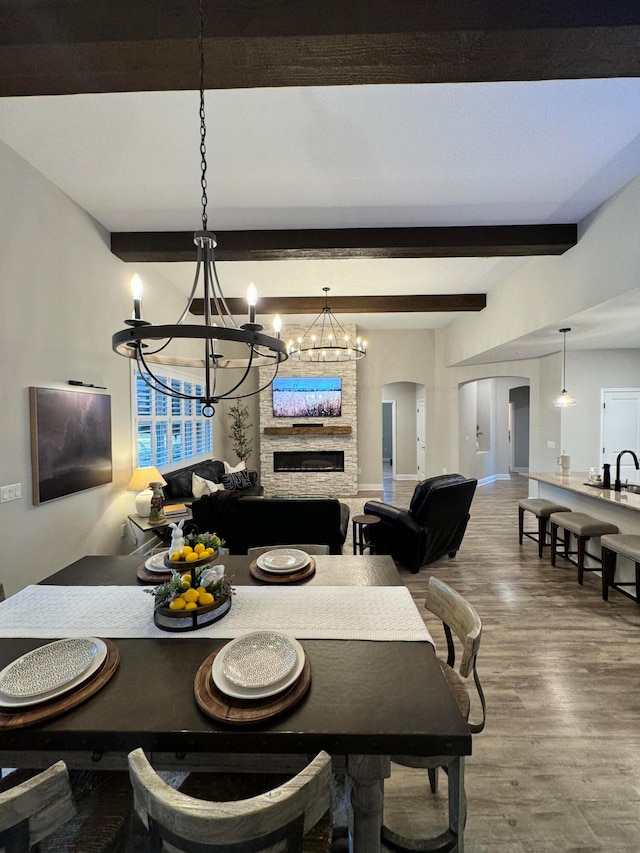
<point x="236" y="692"/>
<point x="155" y="563"/>
<point x="283" y="560"/>
<point x="98" y="658"/>
<point x="259" y="659"/>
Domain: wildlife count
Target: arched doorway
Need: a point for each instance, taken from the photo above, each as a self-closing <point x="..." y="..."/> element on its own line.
<point x="494" y="427"/>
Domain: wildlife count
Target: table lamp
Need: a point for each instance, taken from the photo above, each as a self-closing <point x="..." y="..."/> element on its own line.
<point x="139" y="482"/>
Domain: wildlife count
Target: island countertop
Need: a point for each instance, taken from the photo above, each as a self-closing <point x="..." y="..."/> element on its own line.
<point x="577" y="483"/>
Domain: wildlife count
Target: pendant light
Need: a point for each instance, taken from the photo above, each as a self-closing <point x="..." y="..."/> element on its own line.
<point x="564" y="399"/>
<point x="326" y="340"/>
<point x="150" y="345"/>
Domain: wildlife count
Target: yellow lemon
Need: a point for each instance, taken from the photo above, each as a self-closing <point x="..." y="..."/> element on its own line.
<point x="177" y="604"/>
<point x="186" y="550"/>
<point x="175" y="556"/>
<point x="199" y="548"/>
<point x="192" y="557"/>
<point x="190" y="605"/>
<point x="190" y="595"/>
<point x="205" y="598"/>
<point x="186" y="578"/>
<point x="201" y="589"/>
<point x="209" y="551"/>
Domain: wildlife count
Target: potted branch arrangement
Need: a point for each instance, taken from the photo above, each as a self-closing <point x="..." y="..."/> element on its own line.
<point x="239" y="431"/>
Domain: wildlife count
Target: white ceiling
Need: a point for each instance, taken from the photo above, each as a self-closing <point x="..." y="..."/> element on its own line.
<point x="352" y="156"/>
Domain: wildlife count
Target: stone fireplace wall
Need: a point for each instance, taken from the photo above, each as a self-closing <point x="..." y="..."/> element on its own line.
<point x="311" y="482"/>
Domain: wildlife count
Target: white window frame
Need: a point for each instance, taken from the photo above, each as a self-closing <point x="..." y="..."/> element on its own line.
<point x="171" y="464"/>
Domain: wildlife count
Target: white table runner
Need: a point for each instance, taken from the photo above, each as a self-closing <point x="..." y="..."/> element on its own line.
<point x="313" y="612"/>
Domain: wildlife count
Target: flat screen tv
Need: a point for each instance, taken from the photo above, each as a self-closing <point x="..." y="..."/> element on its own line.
<point x="307" y="397"/>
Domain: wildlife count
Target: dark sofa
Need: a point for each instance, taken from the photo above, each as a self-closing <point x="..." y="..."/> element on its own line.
<point x="433" y="526"/>
<point x="178" y="486"/>
<point x="247" y="522"/>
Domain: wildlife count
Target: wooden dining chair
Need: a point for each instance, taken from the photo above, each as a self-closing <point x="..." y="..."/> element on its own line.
<point x="34" y="809"/>
<point x="308" y="549"/>
<point x="461" y="619"/>
<point x="274" y="821"/>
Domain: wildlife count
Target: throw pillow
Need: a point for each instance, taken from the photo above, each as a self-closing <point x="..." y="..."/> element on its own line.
<point x="236" y="480"/>
<point x="201" y="486"/>
<point x="228" y="469"/>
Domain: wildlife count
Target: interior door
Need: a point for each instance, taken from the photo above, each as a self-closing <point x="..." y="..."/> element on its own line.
<point x="421" y="438"/>
<point x="621" y="429"/>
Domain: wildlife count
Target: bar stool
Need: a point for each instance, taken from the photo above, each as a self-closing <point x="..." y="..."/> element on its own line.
<point x="627" y="545"/>
<point x="583" y="526"/>
<point x="542" y="509"/>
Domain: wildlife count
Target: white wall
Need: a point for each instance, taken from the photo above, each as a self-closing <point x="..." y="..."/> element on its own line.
<point x="64" y="295"/>
<point x="605" y="263"/>
<point x="407" y="355"/>
<point x="588" y="371"/>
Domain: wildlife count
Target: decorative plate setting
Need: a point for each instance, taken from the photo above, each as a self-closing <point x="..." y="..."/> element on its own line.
<point x="155" y="563"/>
<point x="283" y="560"/>
<point x="50" y="669"/>
<point x="284" y="653"/>
<point x="259" y="659"/>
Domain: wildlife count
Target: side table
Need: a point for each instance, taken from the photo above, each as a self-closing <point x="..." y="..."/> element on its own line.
<point x="359" y="522"/>
<point x="161" y="529"/>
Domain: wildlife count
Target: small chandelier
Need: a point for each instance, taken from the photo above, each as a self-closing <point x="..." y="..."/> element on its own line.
<point x="326" y="340"/>
<point x="147" y="343"/>
<point x="564" y="399"/>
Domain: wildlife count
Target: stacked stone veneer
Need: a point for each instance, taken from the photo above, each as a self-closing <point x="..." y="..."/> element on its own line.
<point x="311" y="482"/>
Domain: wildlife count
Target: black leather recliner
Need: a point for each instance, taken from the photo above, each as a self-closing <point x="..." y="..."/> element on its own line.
<point x="432" y="527"/>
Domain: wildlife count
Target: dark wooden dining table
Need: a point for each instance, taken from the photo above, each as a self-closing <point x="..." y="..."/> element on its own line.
<point x="368" y="700"/>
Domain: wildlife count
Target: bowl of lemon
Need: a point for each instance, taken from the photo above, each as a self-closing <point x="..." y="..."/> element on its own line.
<point x="192" y="599"/>
<point x="197" y="551"/>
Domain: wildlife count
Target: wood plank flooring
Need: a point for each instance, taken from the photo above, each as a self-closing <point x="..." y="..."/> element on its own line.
<point x="557" y="767"/>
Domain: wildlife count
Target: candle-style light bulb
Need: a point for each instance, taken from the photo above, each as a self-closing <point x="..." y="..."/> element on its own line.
<point x="252" y="298"/>
<point x="277" y="325"/>
<point x="136" y="292"/>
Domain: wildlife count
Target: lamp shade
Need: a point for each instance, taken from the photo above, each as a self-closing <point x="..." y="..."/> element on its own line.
<point x="139" y="483"/>
<point x="141" y="478"/>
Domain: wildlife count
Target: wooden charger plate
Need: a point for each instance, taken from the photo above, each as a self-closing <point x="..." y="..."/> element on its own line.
<point x="244" y="712"/>
<point x="143" y="574"/>
<point x="54" y="707"/>
<point x="272" y="577"/>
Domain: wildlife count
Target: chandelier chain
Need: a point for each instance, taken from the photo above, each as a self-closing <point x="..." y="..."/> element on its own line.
<point x="203" y="127"/>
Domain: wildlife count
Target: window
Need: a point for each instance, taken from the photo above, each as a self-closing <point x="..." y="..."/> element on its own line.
<point x="169" y="430"/>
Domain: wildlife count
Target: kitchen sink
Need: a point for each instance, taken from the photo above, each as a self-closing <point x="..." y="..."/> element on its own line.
<point x="631" y="487"/>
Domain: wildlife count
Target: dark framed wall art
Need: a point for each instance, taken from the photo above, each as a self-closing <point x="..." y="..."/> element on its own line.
<point x="70" y="442"/>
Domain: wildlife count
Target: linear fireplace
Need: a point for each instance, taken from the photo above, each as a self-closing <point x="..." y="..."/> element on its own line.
<point x="308" y="460"/>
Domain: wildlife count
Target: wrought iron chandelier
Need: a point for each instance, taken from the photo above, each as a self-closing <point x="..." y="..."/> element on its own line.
<point x="326" y="340"/>
<point x="565" y="399"/>
<point x="147" y="344"/>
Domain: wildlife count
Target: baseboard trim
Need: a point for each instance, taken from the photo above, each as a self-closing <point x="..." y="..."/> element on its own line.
<point x="370" y="487"/>
<point x="413" y="477"/>
<point x="485" y="481"/>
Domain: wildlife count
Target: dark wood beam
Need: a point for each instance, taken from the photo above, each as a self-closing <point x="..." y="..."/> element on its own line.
<point x="341" y="243"/>
<point x="418" y="304"/>
<point x="65" y="46"/>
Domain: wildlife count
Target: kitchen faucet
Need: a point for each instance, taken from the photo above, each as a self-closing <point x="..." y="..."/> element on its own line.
<point x="616" y="485"/>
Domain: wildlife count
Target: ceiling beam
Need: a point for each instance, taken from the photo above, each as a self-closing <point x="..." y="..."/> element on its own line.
<point x="50" y="47"/>
<point x="339" y="243"/>
<point x="356" y="304"/>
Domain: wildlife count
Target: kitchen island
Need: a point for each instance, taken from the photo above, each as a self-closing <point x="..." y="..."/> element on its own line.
<point x="619" y="508"/>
